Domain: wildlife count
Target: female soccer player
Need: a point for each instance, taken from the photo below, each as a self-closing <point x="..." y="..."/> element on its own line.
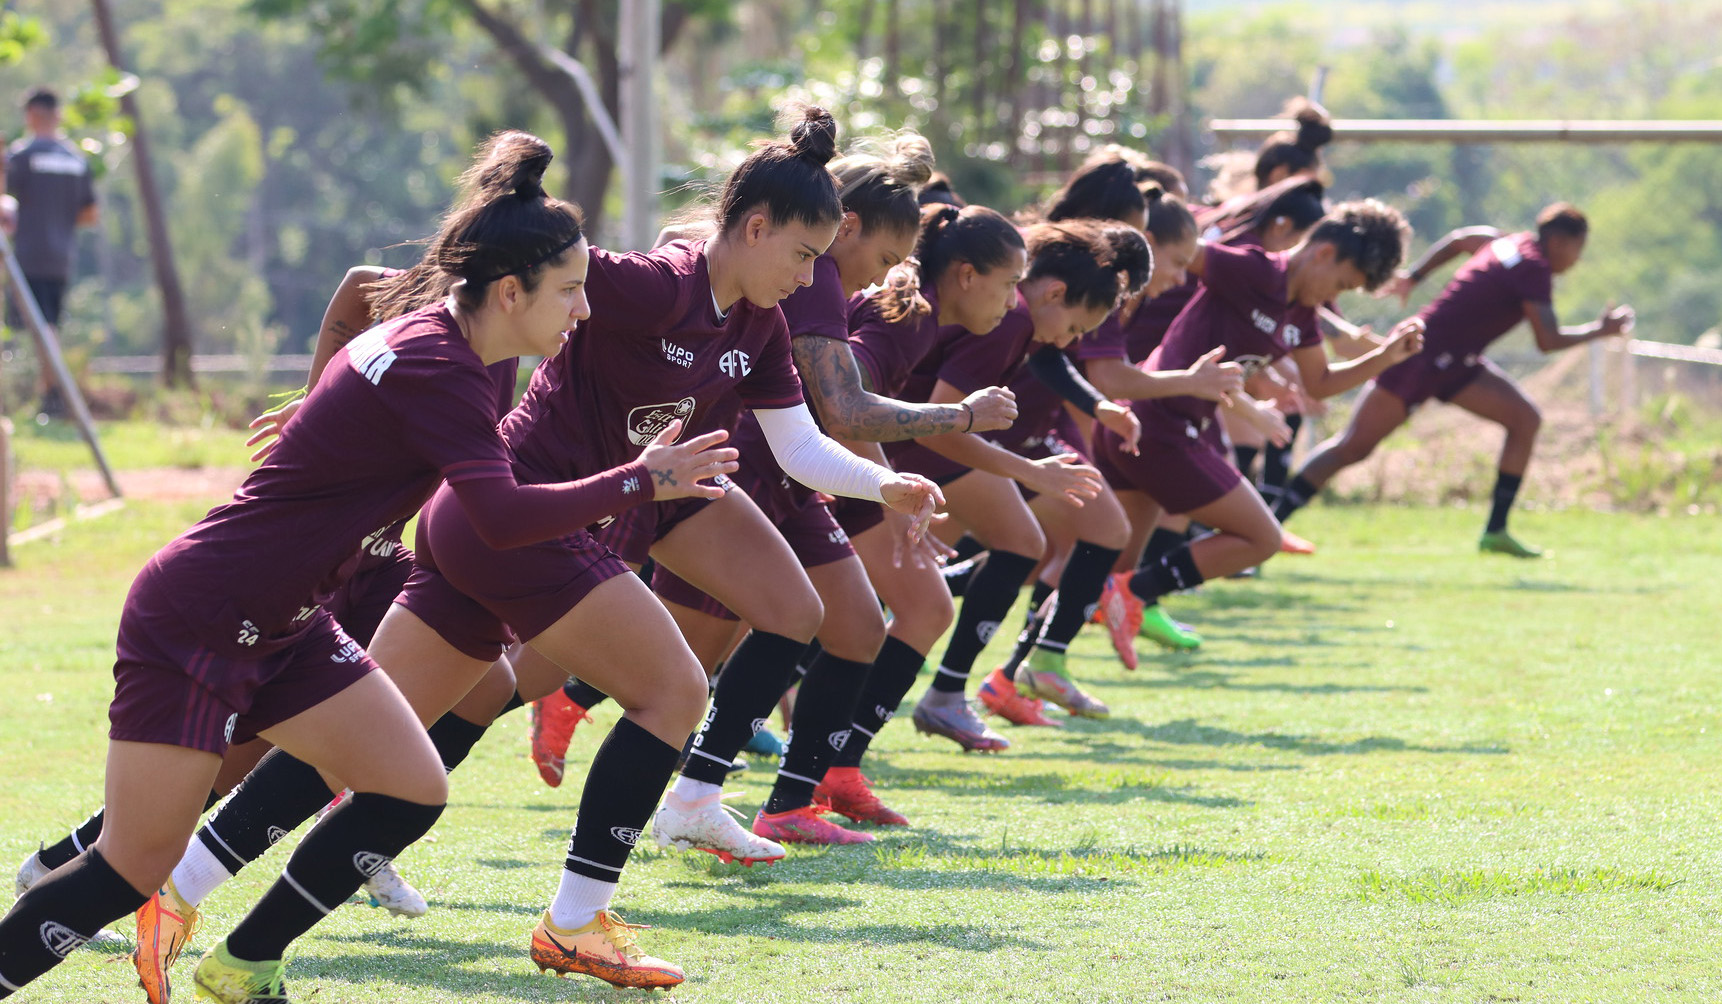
<point x="1508" y="278"/>
<point x="1246" y="298"/>
<point x="209" y="650"/>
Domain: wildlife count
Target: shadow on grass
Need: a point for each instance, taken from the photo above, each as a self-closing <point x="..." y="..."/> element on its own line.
<point x="763" y="912"/>
<point x="1189" y="732"/>
<point x="1215" y="680"/>
<point x="1083" y="781"/>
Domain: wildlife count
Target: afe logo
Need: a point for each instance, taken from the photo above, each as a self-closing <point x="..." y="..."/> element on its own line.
<point x="735" y="363"/>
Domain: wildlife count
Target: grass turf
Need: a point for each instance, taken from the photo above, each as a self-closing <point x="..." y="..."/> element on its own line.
<point x="1398" y="771"/>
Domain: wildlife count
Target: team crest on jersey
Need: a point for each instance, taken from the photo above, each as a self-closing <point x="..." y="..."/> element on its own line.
<point x="1293" y="335"/>
<point x="626" y="834"/>
<point x="647" y="421"/>
<point x="735" y="363"/>
<point x="60" y="939"/>
<point x="369" y="863"/>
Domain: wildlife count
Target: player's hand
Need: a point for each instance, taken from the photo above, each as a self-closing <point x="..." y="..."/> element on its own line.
<point x="1404" y="341"/>
<point x="269" y="426"/>
<point x="916" y="497"/>
<point x="1123" y="423"/>
<point x="1616" y="320"/>
<point x="910" y="546"/>
<point x="1400" y="285"/>
<point x="1067" y="477"/>
<point x="1214" y="380"/>
<point x="1269" y="421"/>
<point x="994" y="409"/>
<point x="678" y="468"/>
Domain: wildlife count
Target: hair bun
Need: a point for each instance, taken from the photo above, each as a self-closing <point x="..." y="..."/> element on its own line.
<point x="814" y="138"/>
<point x="512" y="162"/>
<point x="1131" y="257"/>
<point x="1152" y="191"/>
<point x="1314" y="127"/>
<point x="911" y="163"/>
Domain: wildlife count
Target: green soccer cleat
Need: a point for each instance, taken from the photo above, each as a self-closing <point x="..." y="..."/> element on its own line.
<point x="221" y="977"/>
<point x="1502" y="542"/>
<point x="1158" y="626"/>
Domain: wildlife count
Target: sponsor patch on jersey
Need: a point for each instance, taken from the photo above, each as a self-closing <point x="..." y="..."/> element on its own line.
<point x="647" y="421"/>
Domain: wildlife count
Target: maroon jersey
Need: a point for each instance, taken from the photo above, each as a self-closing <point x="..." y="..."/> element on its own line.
<point x="969" y="363"/>
<point x="654" y="350"/>
<point x="1487" y="297"/>
<point x="401" y="407"/>
<point x="819" y="311"/>
<point x="1241" y="305"/>
<point x="888" y="352"/>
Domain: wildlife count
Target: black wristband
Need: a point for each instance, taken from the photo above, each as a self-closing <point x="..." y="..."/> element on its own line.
<point x="971" y="426"/>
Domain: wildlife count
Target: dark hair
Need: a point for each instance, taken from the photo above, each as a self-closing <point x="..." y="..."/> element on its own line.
<point x="975" y="234"/>
<point x="502" y="223"/>
<point x="1563" y="219"/>
<point x="938" y="192"/>
<point x="1169" y="219"/>
<point x="1371" y="235"/>
<point x="1103" y="188"/>
<point x="1299" y="199"/>
<point x="41" y="97"/>
<point x="1099" y="261"/>
<point x="882" y="189"/>
<point x="1298" y="150"/>
<point x="1170" y="179"/>
<point x="787" y="178"/>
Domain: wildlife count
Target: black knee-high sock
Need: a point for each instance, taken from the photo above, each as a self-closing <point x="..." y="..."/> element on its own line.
<point x="1079" y="588"/>
<point x="348" y="846"/>
<point x="888" y="682"/>
<point x="84" y="837"/>
<point x="989" y="599"/>
<point x="748" y="688"/>
<point x="824" y="714"/>
<point x="281" y="792"/>
<point x="1031" y="627"/>
<point x="805" y="663"/>
<point x="1296" y="495"/>
<point x="1174" y="572"/>
<point x="454" y="737"/>
<point x="627" y="778"/>
<point x="514" y="703"/>
<point x="58" y="914"/>
<point x="1276" y="460"/>
<point x="1245" y="458"/>
<point x="1506" y="490"/>
<point x="1160" y="543"/>
<point x="584" y="694"/>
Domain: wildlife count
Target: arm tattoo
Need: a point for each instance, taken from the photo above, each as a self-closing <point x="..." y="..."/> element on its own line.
<point x="341" y="331"/>
<point x="837" y="390"/>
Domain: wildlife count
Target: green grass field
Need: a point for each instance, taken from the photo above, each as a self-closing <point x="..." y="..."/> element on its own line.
<point x="1398" y="772"/>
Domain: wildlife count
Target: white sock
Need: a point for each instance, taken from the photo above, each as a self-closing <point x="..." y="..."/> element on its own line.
<point x="687" y="790"/>
<point x="199" y="873"/>
<point x="579" y="899"/>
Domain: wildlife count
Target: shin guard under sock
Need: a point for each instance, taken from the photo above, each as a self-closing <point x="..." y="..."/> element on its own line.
<point x="888" y="682"/>
<point x="1079" y="589"/>
<point x="1174" y="572"/>
<point x="627" y="779"/>
<point x="989" y="599"/>
<point x="280" y="793"/>
<point x="343" y="851"/>
<point x="821" y="726"/>
<point x="748" y="688"/>
<point x="58" y="914"/>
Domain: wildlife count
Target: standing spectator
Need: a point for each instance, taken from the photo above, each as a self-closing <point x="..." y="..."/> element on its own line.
<point x="51" y="180"/>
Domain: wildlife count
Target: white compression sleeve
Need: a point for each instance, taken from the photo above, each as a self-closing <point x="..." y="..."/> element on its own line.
<point x="815" y="459"/>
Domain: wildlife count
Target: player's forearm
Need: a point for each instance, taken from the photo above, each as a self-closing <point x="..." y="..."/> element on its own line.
<point x="837" y="390"/>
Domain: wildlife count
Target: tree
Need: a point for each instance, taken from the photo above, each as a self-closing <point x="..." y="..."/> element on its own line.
<point x="176" y="319"/>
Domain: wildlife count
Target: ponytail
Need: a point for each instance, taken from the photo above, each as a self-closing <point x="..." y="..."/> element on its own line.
<point x="1297" y="150"/>
<point x="788" y="179"/>
<point x="882" y="190"/>
<point x="974" y="234"/>
<point x="1098" y="262"/>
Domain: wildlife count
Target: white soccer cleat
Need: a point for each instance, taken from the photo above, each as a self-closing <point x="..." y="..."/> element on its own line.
<point x="393" y="893"/>
<point x="33" y="871"/>
<point x="706" y="824"/>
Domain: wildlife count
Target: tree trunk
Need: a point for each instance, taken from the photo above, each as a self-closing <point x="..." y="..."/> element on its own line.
<point x="176" y="317"/>
<point x="1015" y="80"/>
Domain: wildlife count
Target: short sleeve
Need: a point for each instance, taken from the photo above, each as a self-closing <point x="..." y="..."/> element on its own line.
<point x="1533" y="281"/>
<point x="446" y="409"/>
<point x="974" y="363"/>
<point x="632" y="293"/>
<point x="821" y="309"/>
<point x="772" y="382"/>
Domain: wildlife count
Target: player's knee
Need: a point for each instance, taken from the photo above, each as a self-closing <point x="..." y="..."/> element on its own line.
<point x="1355" y="450"/>
<point x="681" y="701"/>
<point x="797" y="613"/>
<point x="855" y="633"/>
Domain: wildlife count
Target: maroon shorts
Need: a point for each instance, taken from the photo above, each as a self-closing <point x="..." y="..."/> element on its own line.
<point x="359" y="605"/>
<point x="675" y="589"/>
<point x="480" y="599"/>
<point x="917" y="459"/>
<point x="857" y="516"/>
<point x="632" y="534"/>
<point x="1439" y="375"/>
<point x="1182" y="472"/>
<point x="172" y="687"/>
